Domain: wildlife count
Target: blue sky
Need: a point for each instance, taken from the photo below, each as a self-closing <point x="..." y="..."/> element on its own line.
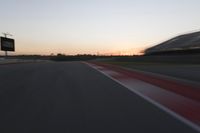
<point x="91" y="26"/>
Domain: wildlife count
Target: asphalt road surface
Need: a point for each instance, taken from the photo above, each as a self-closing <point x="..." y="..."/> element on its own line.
<point x="74" y="98"/>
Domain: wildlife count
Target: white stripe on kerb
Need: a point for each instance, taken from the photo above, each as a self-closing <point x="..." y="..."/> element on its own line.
<point x="174" y="114"/>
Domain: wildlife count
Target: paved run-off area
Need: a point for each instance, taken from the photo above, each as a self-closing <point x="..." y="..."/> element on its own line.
<point x="73" y="97"/>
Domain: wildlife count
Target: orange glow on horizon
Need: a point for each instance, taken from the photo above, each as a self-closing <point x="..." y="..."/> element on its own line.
<point x="129" y="52"/>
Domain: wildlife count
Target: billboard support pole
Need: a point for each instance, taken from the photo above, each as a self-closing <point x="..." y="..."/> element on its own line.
<point x="6" y="53"/>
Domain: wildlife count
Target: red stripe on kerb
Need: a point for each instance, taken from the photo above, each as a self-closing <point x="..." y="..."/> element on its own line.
<point x="170" y="85"/>
<point x="181" y="99"/>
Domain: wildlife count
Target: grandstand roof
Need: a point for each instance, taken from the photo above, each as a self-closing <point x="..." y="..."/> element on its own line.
<point x="182" y="42"/>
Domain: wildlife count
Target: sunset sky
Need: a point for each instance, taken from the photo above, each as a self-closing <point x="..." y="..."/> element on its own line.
<point x="95" y="26"/>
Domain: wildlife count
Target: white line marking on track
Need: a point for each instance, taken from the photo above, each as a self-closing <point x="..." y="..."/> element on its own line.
<point x="175" y="115"/>
<point x="112" y="73"/>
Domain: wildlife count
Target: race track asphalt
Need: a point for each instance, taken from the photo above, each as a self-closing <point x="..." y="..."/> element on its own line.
<point x="71" y="97"/>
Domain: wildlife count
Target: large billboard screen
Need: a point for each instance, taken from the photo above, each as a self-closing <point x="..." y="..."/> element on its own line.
<point x="7" y="44"/>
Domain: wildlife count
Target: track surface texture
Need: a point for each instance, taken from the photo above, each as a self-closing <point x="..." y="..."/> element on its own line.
<point x="75" y="98"/>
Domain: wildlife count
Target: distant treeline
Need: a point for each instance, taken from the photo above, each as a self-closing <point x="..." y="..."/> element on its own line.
<point x="61" y="57"/>
<point x="154" y="58"/>
<point x="85" y="57"/>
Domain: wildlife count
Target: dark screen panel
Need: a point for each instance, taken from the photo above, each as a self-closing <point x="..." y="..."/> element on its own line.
<point x="7" y="44"/>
